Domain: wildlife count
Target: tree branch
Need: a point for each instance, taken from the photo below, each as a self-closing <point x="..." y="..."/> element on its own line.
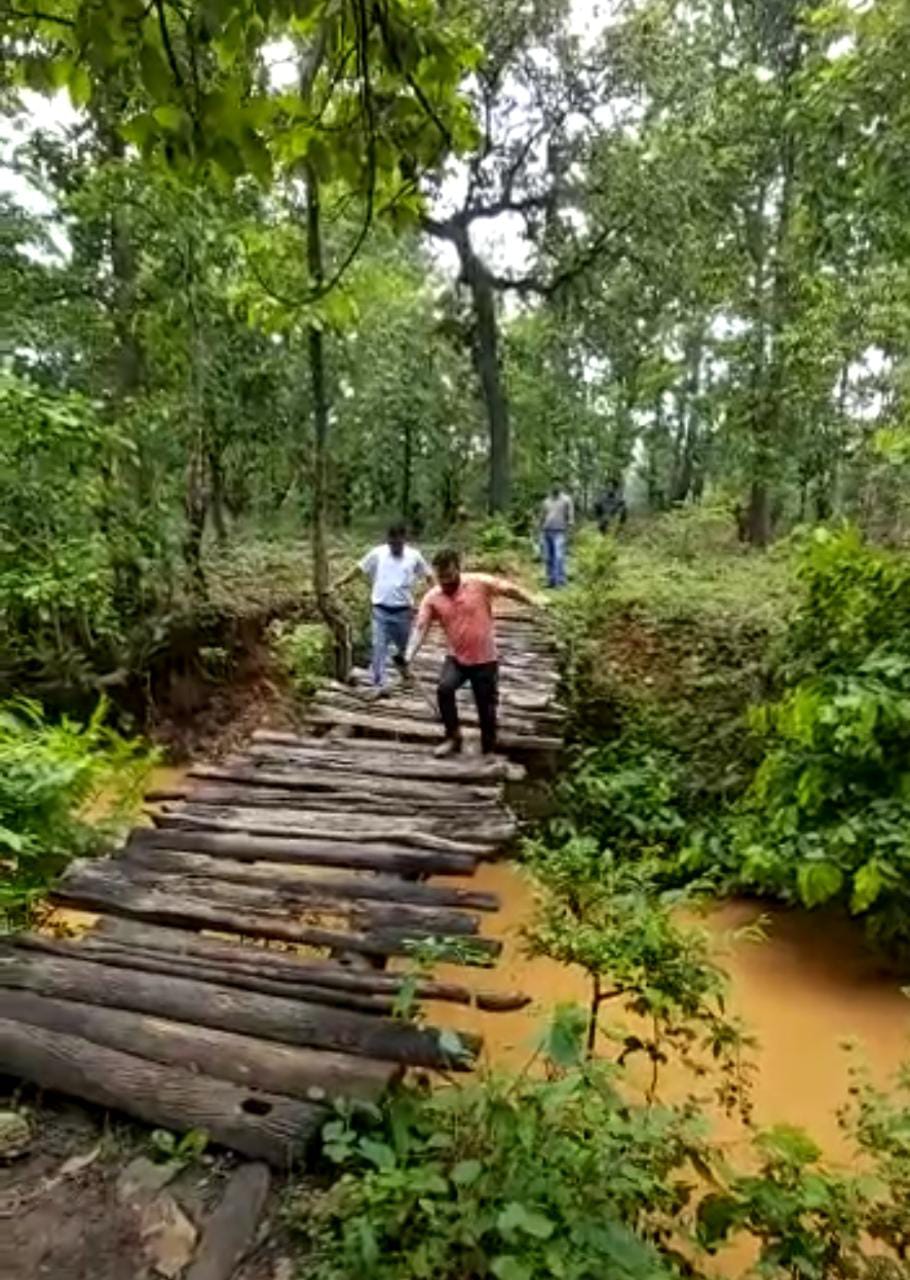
<point x="36" y="15"/>
<point x="168" y="47"/>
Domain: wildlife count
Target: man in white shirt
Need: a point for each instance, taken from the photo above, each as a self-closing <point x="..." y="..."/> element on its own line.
<point x="394" y="570"/>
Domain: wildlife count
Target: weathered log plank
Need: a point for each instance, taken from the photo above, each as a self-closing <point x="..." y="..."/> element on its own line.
<point x="290" y="967"/>
<point x="302" y="852"/>
<point x="336" y="800"/>
<point x="439" y="791"/>
<point x="368" y="885"/>
<point x="260" y="1125"/>
<point x="334" y="826"/>
<point x="228" y="975"/>
<point x="424" y="731"/>
<point x="167" y="908"/>
<point x="225" y="1009"/>
<point x="313" y="1075"/>
<point x="424" y="921"/>
<point x="230" y="1229"/>
<point x="392" y="759"/>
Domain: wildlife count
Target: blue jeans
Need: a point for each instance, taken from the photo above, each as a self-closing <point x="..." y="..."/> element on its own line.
<point x="391" y="628"/>
<point x="554" y="548"/>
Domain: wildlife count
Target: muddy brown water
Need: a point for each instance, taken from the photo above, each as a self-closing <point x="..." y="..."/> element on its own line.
<point x="803" y="992"/>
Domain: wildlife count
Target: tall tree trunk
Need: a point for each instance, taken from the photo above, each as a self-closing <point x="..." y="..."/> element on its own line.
<point x="218" y="507"/>
<point x="487" y="364"/>
<point x="407" y="466"/>
<point x="331" y="612"/>
<point x="758" y="515"/>
<point x="196" y="493"/>
<point x="684" y="474"/>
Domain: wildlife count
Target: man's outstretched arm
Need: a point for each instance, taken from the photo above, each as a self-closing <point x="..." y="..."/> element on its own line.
<point x="512" y="591"/>
<point x="419" y="634"/>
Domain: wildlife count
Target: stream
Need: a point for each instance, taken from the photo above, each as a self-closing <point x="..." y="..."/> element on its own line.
<point x="803" y="991"/>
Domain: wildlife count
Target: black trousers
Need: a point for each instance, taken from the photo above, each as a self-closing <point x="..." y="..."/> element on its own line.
<point x="484" y="681"/>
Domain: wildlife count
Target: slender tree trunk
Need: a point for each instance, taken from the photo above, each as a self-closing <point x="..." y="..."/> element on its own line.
<point x="196" y="494"/>
<point x="684" y="475"/>
<point x="219" y="519"/>
<point x="407" y="466"/>
<point x="489" y="371"/>
<point x="332" y="614"/>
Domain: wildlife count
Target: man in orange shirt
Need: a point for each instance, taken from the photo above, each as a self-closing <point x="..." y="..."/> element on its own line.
<point x="462" y="604"/>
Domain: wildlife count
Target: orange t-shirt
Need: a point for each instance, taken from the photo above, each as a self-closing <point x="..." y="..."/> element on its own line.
<point x="466" y="617"/>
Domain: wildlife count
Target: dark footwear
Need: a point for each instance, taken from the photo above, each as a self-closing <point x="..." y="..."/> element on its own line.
<point x="449" y="747"/>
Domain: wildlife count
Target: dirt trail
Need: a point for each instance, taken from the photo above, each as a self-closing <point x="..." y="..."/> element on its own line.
<point x="803" y="991"/>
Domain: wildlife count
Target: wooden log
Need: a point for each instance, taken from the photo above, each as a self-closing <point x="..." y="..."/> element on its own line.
<point x="260" y="1125"/>
<point x="314" y="1075"/>
<point x="392" y="760"/>
<point x="231" y="1228"/>
<point x="373" y="726"/>
<point x="439" y="791"/>
<point x="233" y="975"/>
<point x="225" y="1009"/>
<point x="333" y="826"/>
<point x="297" y="852"/>
<point x="292" y="968"/>
<point x="336" y="800"/>
<point x="425" y="921"/>
<point x="382" y="888"/>
<point x="167" y="908"/>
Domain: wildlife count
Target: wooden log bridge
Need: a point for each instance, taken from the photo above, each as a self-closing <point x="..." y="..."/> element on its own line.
<point x="266" y="945"/>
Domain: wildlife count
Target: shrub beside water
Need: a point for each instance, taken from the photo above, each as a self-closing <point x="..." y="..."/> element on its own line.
<point x="52" y="775"/>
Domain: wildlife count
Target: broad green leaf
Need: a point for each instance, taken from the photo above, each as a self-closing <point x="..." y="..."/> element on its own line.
<point x="156" y="74"/>
<point x="867" y="885"/>
<point x="507" y="1267"/>
<point x="818" y="882"/>
<point x="466" y="1172"/>
<point x="516" y="1217"/>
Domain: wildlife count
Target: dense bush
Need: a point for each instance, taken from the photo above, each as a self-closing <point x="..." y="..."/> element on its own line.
<point x="81" y="555"/>
<point x="828" y="813"/>
<point x="50" y="776"/>
<point x="304" y="650"/>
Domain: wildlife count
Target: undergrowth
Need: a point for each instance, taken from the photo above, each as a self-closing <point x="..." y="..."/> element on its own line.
<point x="66" y="790"/>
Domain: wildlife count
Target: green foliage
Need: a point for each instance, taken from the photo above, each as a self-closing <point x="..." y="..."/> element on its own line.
<point x="826" y="816"/>
<point x="178" y="1151"/>
<point x="517" y="1179"/>
<point x="608" y="917"/>
<point x="67" y="535"/>
<point x="51" y="774"/>
<point x="810" y="1220"/>
<point x="305" y="652"/>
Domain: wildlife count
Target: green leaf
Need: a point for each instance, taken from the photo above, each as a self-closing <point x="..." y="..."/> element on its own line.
<point x="80" y="85"/>
<point x="506" y="1267"/>
<point x="867" y="885"/>
<point x="517" y="1217"/>
<point x="378" y="1153"/>
<point x="717" y="1214"/>
<point x="170" y="117"/>
<point x="156" y="75"/>
<point x="563" y="1038"/>
<point x="818" y="881"/>
<point x="466" y="1172"/>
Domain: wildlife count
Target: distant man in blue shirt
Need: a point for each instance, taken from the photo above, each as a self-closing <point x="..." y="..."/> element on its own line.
<point x="394" y="569"/>
<point x="557" y="515"/>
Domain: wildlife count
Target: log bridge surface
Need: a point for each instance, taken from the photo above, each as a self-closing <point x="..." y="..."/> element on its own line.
<point x="235" y="975"/>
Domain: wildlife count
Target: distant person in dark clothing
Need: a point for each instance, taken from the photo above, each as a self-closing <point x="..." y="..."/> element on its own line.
<point x="610" y="507"/>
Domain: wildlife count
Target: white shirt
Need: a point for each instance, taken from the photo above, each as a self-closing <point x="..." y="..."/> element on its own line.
<point x="394" y="577"/>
